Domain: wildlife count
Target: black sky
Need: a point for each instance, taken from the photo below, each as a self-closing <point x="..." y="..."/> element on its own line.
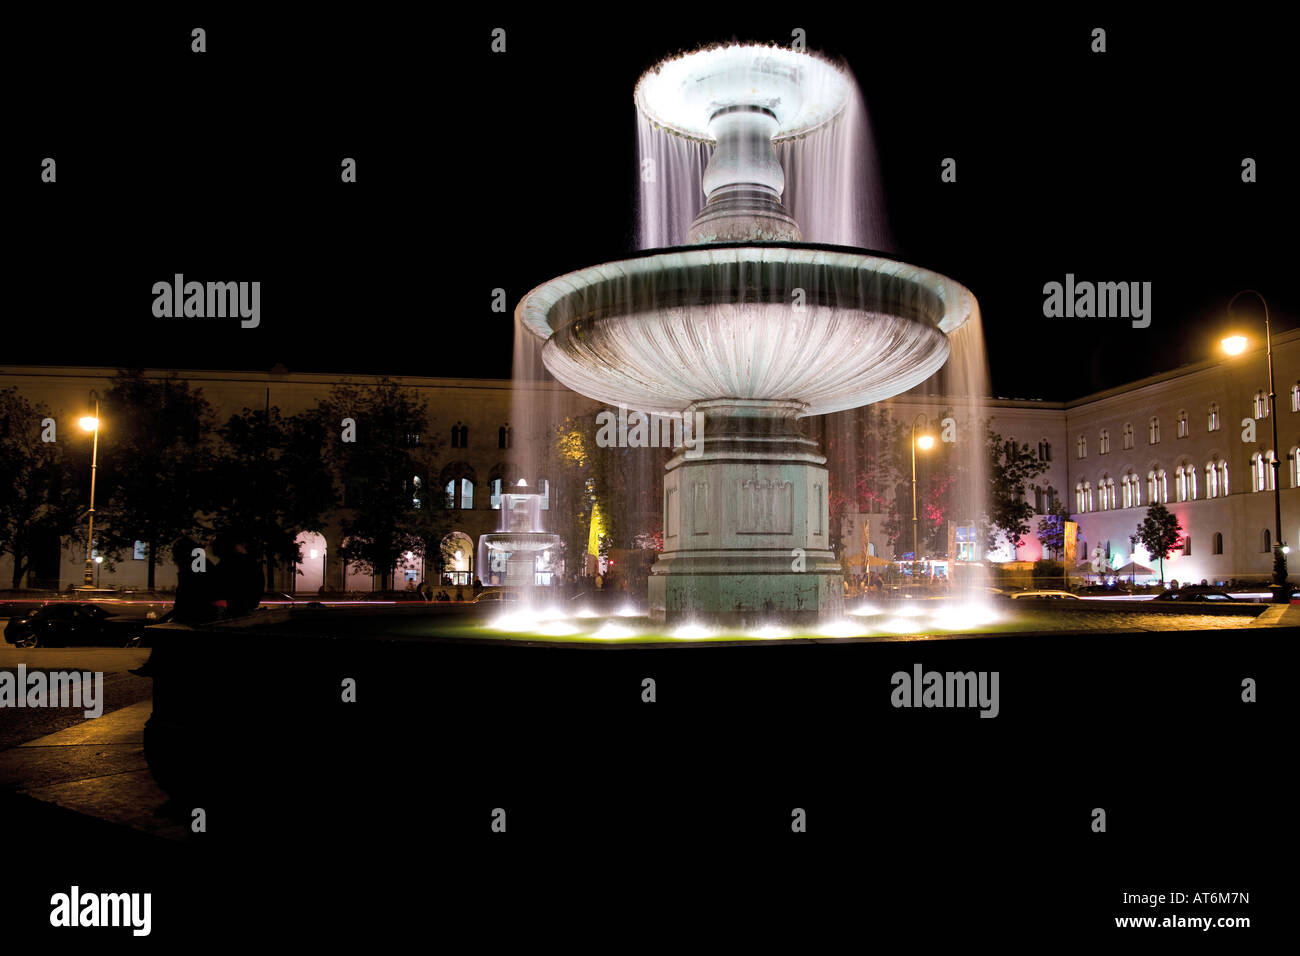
<point x="479" y="171"/>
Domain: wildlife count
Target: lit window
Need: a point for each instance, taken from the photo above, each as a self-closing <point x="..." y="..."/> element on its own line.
<point x="1295" y="397"/>
<point x="1182" y="423"/>
<point x="1294" y="458"/>
<point x="1261" y="405"/>
<point x="1213" y="418"/>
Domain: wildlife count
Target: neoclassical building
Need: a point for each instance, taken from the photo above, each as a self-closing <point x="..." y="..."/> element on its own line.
<point x="1198" y="438"/>
<point x="475" y="415"/>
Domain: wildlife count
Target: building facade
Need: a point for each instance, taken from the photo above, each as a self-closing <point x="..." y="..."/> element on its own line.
<point x="1198" y="439"/>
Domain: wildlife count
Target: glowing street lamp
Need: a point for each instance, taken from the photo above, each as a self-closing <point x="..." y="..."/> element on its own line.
<point x="90" y="423"/>
<point x="925" y="443"/>
<point x="1235" y="345"/>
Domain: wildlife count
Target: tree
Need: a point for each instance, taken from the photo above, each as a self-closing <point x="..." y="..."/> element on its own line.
<point x="155" y="464"/>
<point x="1159" y="533"/>
<point x="39" y="499"/>
<point x="270" y="468"/>
<point x="1051" y="529"/>
<point x="862" y="455"/>
<point x="1010" y="469"/>
<point x="381" y="447"/>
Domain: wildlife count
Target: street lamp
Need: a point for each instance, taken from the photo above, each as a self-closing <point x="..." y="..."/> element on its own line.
<point x="1235" y="345"/>
<point x="90" y="423"/>
<point x="925" y="443"/>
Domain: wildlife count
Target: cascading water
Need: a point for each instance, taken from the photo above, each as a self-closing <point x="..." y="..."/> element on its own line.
<point x="749" y="328"/>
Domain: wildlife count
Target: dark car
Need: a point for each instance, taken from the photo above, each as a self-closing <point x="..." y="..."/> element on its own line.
<point x="1196" y="592"/>
<point x="72" y="624"/>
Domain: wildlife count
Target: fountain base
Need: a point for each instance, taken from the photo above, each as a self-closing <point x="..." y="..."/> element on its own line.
<point x="747" y="522"/>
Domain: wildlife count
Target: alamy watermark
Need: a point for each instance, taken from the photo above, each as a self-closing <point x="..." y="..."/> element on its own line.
<point x="946" y="689"/>
<point x="633" y="429"/>
<point x="53" y="689"/>
<point x="179" y="299"/>
<point x="75" y="908"/>
<point x="1098" y="300"/>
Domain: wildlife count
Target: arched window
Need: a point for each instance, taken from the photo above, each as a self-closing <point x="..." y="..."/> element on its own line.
<point x="1218" y="542"/>
<point x="503" y="436"/>
<point x="1266" y="541"/>
<point x="1128" y="434"/>
<point x="1045" y="450"/>
<point x="1051" y="497"/>
<point x="1103" y="442"/>
<point x="1185" y="480"/>
<point x="1295" y="397"/>
<point x="1293" y="457"/>
<point x="1082" y="497"/>
<point x="1223" y="478"/>
<point x="1261" y="404"/>
<point x="1187" y="545"/>
<point x="1082" y="445"/>
<point x="1132" y="490"/>
<point x="496" y="483"/>
<point x="1213" y="417"/>
<point x="457" y="481"/>
<point x="1153" y="431"/>
<point x="1157" y="486"/>
<point x="1106" y="493"/>
<point x="459" y="435"/>
<point x="417" y="491"/>
<point x="1182" y="423"/>
<point x="1038" y="500"/>
<point x="1211" y="480"/>
<point x="1261" y="470"/>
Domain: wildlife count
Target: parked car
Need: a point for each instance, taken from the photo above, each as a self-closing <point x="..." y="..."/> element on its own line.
<point x="496" y="596"/>
<point x="1196" y="592"/>
<point x="1043" y="596"/>
<point x="74" y="623"/>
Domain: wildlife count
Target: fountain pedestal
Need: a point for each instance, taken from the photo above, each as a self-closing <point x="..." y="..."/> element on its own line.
<point x="747" y="522"/>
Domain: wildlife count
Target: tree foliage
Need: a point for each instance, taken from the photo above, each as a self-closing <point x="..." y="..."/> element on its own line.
<point x="1159" y="533"/>
<point x="39" y="496"/>
<point x="394" y="445"/>
<point x="155" y="464"/>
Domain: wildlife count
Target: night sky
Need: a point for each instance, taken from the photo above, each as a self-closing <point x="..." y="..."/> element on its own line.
<point x="478" y="171"/>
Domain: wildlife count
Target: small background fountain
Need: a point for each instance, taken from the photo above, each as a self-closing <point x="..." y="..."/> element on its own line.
<point x="520" y="548"/>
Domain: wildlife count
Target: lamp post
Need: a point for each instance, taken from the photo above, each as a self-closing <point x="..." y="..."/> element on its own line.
<point x="1235" y="345"/>
<point x="91" y="424"/>
<point x="926" y="442"/>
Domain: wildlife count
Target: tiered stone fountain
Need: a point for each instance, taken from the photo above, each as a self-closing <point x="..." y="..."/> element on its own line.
<point x="519" y="536"/>
<point x="754" y="329"/>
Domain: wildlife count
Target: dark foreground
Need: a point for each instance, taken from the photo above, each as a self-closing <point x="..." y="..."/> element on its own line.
<point x="627" y="821"/>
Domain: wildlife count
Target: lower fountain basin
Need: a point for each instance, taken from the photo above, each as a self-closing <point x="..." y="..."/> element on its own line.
<point x="831" y="328"/>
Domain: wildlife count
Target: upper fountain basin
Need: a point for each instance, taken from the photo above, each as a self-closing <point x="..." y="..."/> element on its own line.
<point x="684" y="94"/>
<point x="830" y="328"/>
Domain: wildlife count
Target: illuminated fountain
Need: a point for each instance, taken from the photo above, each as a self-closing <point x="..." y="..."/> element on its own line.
<point x="519" y="543"/>
<point x="752" y="329"/>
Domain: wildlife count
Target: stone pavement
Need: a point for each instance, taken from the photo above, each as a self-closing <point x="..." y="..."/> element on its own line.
<point x="96" y="768"/>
